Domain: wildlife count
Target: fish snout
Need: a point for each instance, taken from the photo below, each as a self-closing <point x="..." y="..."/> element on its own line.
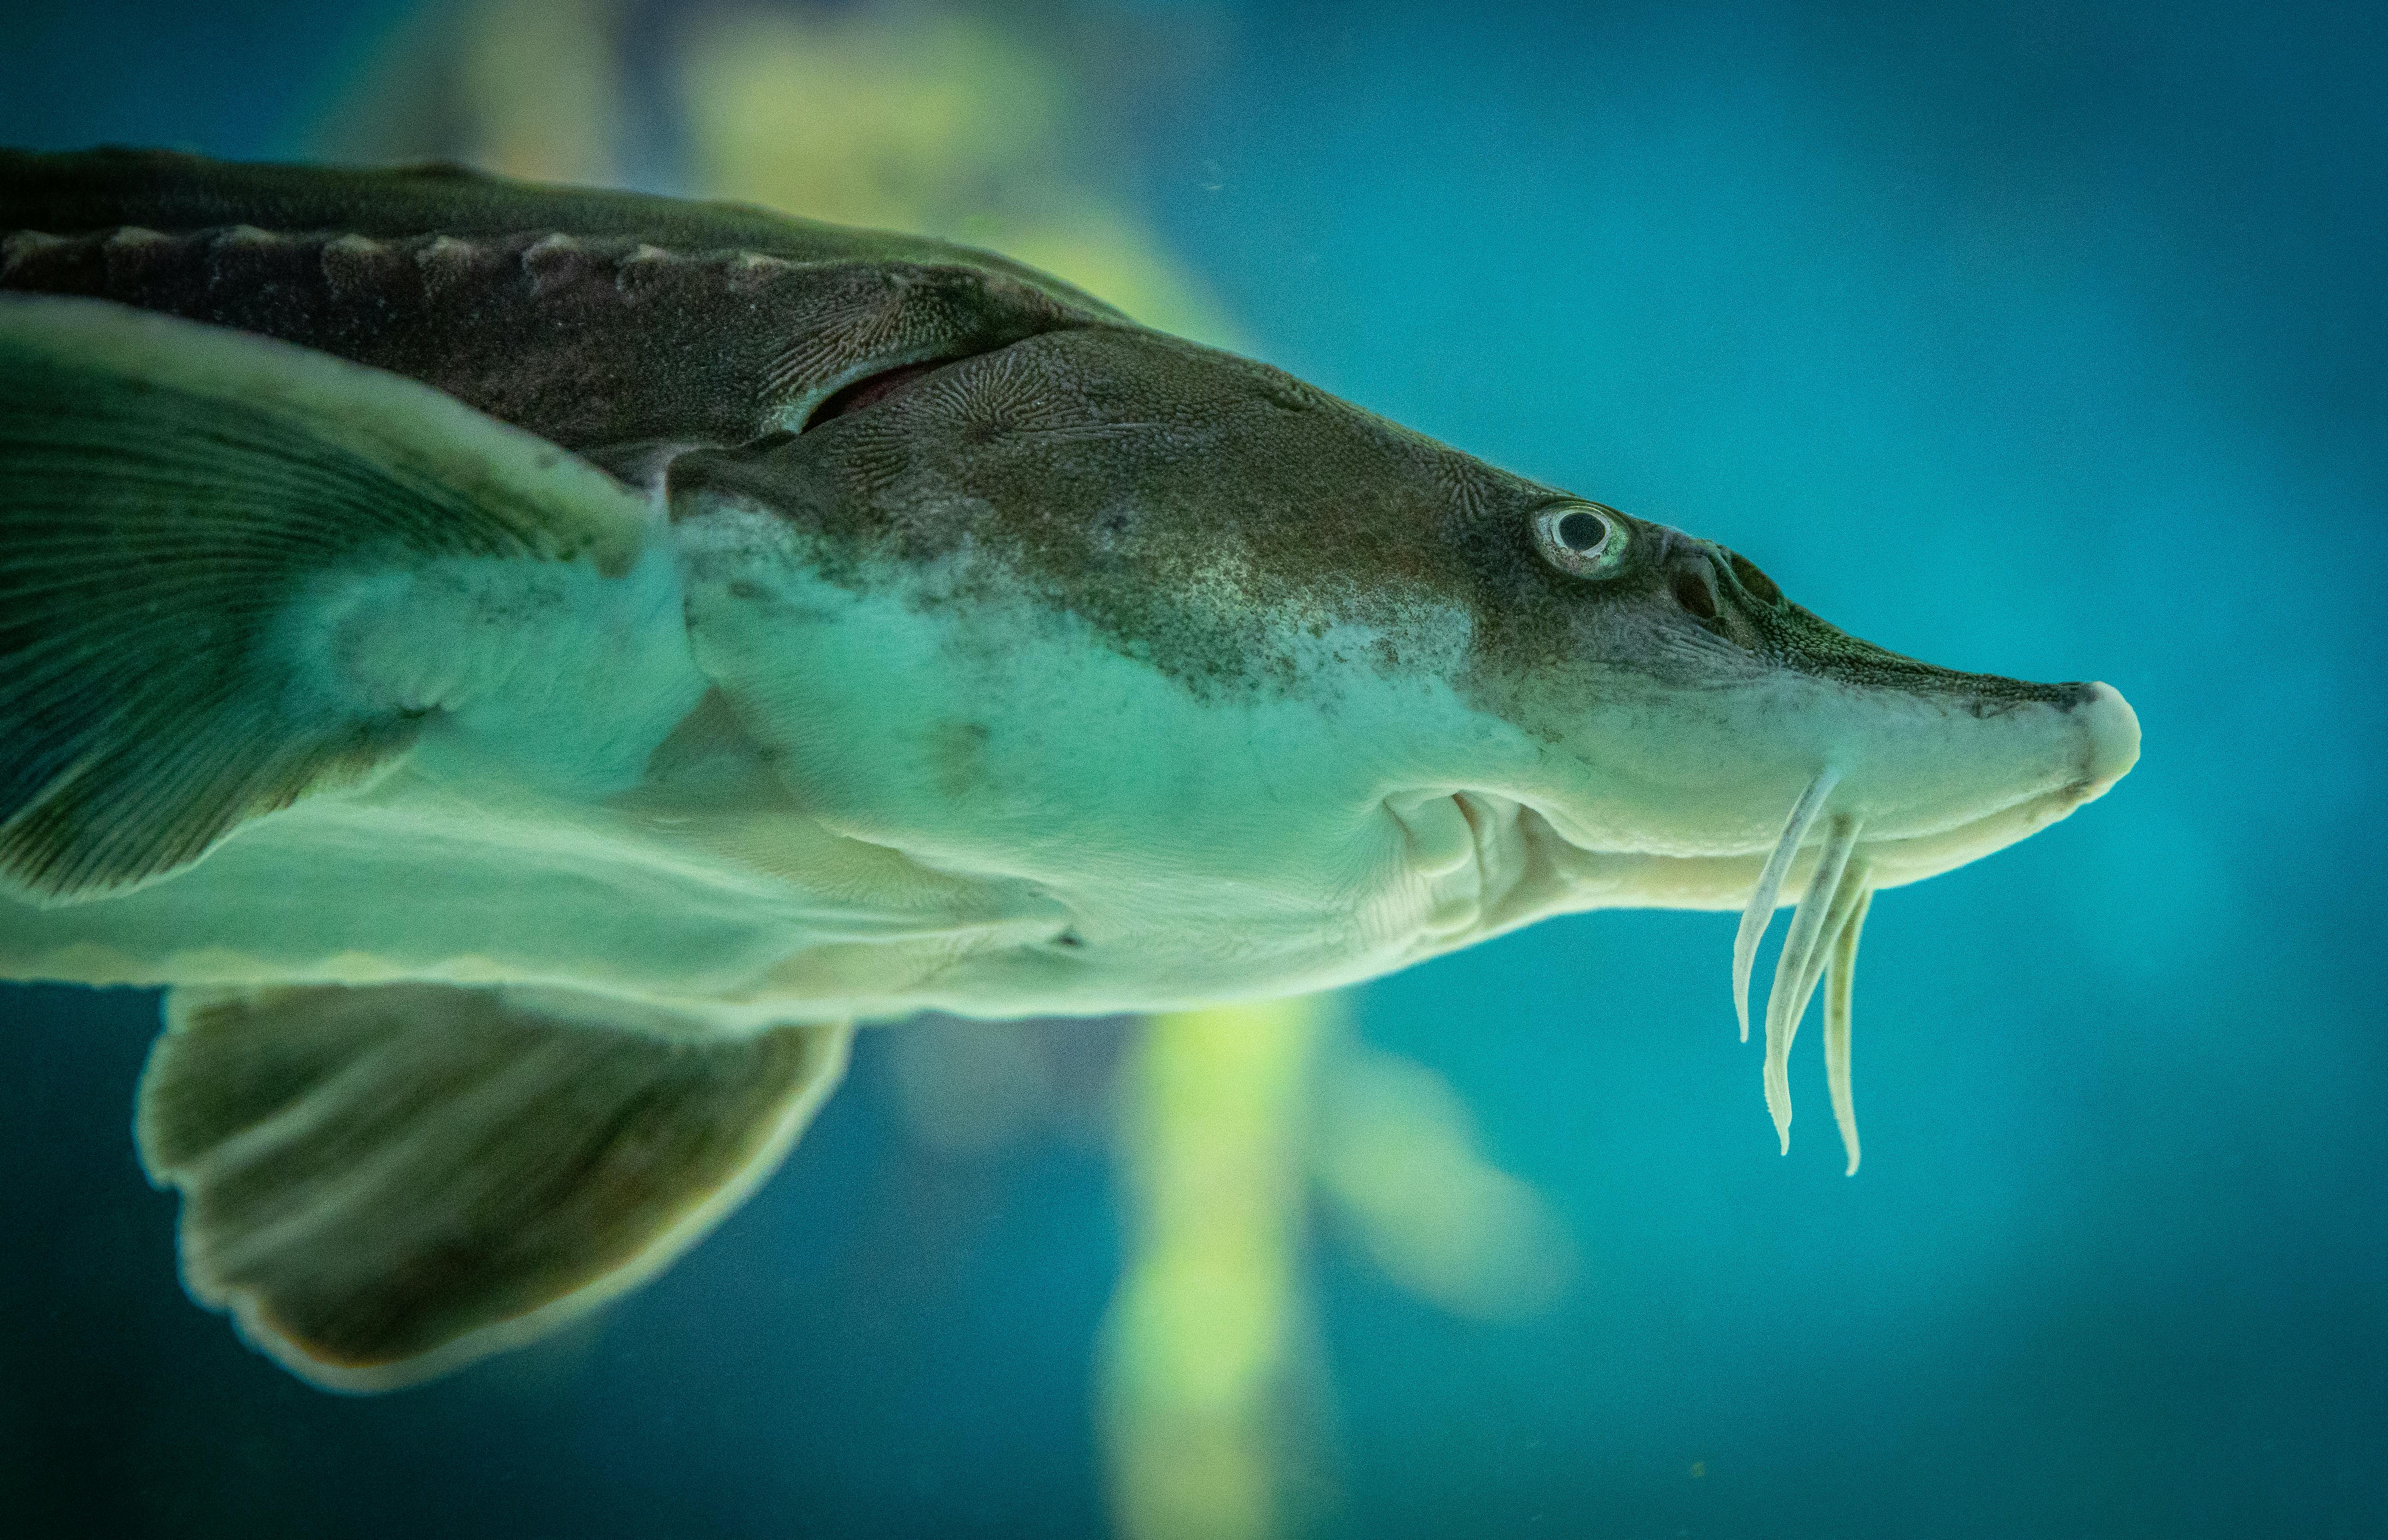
<point x="2110" y="730"/>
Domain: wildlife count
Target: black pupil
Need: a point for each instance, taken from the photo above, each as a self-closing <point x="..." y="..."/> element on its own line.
<point x="1580" y="531"/>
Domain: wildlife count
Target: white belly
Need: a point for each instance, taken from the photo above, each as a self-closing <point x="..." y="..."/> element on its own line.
<point x="421" y="880"/>
<point x="885" y="804"/>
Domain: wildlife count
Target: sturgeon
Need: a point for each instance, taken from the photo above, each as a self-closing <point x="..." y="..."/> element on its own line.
<point x="527" y="669"/>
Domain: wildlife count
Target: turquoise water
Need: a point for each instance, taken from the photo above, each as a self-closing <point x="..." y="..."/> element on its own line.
<point x="2022" y="339"/>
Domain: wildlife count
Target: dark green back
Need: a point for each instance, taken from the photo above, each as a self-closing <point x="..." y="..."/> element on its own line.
<point x="595" y="319"/>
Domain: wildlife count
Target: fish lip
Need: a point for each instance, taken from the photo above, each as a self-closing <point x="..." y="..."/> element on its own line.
<point x="2109" y="750"/>
<point x="1593" y="877"/>
<point x="1912" y="858"/>
<point x="1720" y="880"/>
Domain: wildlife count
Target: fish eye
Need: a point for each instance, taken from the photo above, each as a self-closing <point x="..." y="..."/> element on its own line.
<point x="1583" y="540"/>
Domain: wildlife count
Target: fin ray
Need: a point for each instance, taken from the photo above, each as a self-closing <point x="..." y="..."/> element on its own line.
<point x="384" y="1184"/>
<point x="168" y="491"/>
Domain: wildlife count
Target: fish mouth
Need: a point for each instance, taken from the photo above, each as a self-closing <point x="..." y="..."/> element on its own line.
<point x="1827" y="856"/>
<point x="1822" y="945"/>
<point x="2113" y="747"/>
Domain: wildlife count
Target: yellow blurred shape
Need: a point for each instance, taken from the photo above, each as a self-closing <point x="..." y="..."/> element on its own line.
<point x="1207" y="1353"/>
<point x="936" y="125"/>
<point x="862" y="119"/>
<point x="538" y="79"/>
<point x="1398" y="1156"/>
<point x="1103" y="252"/>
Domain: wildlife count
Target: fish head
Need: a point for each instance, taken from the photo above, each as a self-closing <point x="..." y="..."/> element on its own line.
<point x="1271" y="692"/>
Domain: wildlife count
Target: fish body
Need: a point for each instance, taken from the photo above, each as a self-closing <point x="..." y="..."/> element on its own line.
<point x="670" y="622"/>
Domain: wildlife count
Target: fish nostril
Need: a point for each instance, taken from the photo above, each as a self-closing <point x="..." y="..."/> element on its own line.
<point x="1696" y="590"/>
<point x="1756" y="584"/>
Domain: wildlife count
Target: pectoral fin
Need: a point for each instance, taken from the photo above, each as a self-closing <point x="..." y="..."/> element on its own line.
<point x="171" y="493"/>
<point x="384" y="1184"/>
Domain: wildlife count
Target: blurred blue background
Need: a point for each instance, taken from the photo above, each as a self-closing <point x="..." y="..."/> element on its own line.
<point x="2036" y="338"/>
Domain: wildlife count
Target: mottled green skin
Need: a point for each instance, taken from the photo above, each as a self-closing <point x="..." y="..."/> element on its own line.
<point x="593" y="319"/>
<point x="970" y="648"/>
<point x="1114" y="466"/>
